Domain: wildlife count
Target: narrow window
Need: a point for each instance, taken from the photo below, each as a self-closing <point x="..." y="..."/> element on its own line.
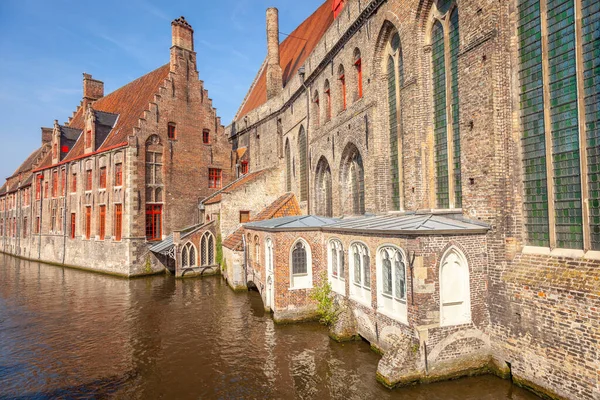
<point x="360" y="289"/>
<point x="73" y="219"/>
<point x="53" y="220"/>
<point x="119" y="174"/>
<point x="323" y="189"/>
<point x="207" y="251"/>
<point x="342" y="79"/>
<point x="391" y="287"/>
<point x="153" y="221"/>
<point x="188" y="256"/>
<point x="336" y="267"/>
<point x="214" y="178"/>
<point x="244" y="167"/>
<point x="37" y="225"/>
<point x="63" y="181"/>
<point x="54" y="150"/>
<point x="327" y="91"/>
<point x="118" y="222"/>
<point x="171" y="130"/>
<point x="88" y="181"/>
<point x="440" y="117"/>
<point x="206" y="136"/>
<point x="394" y="82"/>
<point x="299" y="265"/>
<point x="317" y="109"/>
<point x="88" y="138"/>
<point x="244" y="216"/>
<point x="454" y="289"/>
<point x="73" y="183"/>
<point x="88" y="222"/>
<point x="54" y="183"/>
<point x="288" y="167"/>
<point x="102" y="222"/>
<point x="103" y="178"/>
<point x="256" y="248"/>
<point x="359" y="77"/>
<point x="38" y="187"/>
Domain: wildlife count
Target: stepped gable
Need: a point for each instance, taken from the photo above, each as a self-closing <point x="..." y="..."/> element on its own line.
<point x="129" y="102"/>
<point x="285" y="206"/>
<point x="24" y="172"/>
<point x="293" y="51"/>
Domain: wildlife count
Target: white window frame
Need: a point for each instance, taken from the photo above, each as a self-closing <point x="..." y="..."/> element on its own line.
<point x="359" y="291"/>
<point x="186" y="250"/>
<point x="301" y="281"/>
<point x="455" y="288"/>
<point x="337" y="280"/>
<point x="392" y="305"/>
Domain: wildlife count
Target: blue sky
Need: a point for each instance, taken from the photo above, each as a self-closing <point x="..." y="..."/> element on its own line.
<point x="45" y="47"/>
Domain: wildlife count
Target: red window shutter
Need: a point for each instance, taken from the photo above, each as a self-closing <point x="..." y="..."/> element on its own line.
<point x="103" y="178"/>
<point x="73" y="219"/>
<point x="118" y="221"/>
<point x="118" y="175"/>
<point x="88" y="222"/>
<point x="102" y="222"/>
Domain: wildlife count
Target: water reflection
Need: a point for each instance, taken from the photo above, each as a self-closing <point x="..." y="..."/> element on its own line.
<point x="72" y="334"/>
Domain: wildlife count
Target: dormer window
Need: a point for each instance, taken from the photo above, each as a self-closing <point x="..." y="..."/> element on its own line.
<point x="172" y="130"/>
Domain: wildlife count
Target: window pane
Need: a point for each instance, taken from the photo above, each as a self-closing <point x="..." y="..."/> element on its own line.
<point x="184" y="257"/>
<point x="192" y="256"/>
<point x="356" y="266"/>
<point x="334" y="262"/>
<point x="387" y="274"/>
<point x="440" y="117"/>
<point x="299" y="260"/>
<point x="400" y="277"/>
<point x="454" y="47"/>
<point x="366" y="270"/>
<point x="393" y="119"/>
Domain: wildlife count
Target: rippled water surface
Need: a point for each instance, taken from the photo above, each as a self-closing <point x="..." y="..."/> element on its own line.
<point x="73" y="334"/>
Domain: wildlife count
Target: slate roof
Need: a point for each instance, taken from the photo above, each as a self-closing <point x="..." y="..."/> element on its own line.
<point x="285" y="206"/>
<point x="293" y="51"/>
<point x="407" y="224"/>
<point x="165" y="244"/>
<point x="128" y="102"/>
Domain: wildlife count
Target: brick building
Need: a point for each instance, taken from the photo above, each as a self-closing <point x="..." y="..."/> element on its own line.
<point x="443" y="153"/>
<point x="125" y="171"/>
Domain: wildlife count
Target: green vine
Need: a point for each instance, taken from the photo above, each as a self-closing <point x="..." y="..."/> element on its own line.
<point x="219" y="250"/>
<point x="326" y="306"/>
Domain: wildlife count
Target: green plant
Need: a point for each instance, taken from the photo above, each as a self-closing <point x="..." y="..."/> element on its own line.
<point x="326" y="307"/>
<point x="219" y="250"/>
<point x="148" y="268"/>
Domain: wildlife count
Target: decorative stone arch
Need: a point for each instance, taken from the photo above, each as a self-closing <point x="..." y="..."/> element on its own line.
<point x="102" y="161"/>
<point x="455" y="288"/>
<point x="300" y="262"/>
<point x="352" y="181"/>
<point x="323" y="189"/>
<point x="365" y="327"/>
<point x="189" y="255"/>
<point x="456" y="336"/>
<point x="207" y="249"/>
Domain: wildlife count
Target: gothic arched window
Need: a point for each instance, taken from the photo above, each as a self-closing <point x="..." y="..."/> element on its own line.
<point x="188" y="256"/>
<point x="323" y="189"/>
<point x="207" y="249"/>
<point x="303" y="161"/>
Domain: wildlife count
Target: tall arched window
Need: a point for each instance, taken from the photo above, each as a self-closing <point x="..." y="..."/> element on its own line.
<point x="188" y="256"/>
<point x="559" y="77"/>
<point x="391" y="282"/>
<point x="446" y="109"/>
<point x="342" y="85"/>
<point x="336" y="266"/>
<point x="360" y="273"/>
<point x="455" y="291"/>
<point x="207" y="249"/>
<point x="301" y="265"/>
<point x="323" y="189"/>
<point x="154" y="186"/>
<point x="327" y="99"/>
<point x="269" y="256"/>
<point x="353" y="181"/>
<point x="395" y="80"/>
<point x="303" y="161"/>
<point x="288" y="166"/>
<point x="359" y="74"/>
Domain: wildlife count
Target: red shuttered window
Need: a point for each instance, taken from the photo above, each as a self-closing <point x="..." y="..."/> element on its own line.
<point x="88" y="222"/>
<point x="73" y="221"/>
<point x="102" y="222"/>
<point x="118" y="222"/>
<point x="214" y="178"/>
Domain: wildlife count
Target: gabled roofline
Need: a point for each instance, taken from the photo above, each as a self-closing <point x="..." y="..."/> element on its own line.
<point x="117" y="146"/>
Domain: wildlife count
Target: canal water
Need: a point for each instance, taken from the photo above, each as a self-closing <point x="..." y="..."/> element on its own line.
<point x="71" y="334"/>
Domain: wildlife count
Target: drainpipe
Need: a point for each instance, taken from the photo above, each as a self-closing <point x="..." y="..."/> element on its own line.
<point x="302" y="72"/>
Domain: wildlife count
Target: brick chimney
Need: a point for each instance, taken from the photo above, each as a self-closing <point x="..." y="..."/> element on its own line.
<point x="274" y="73"/>
<point x="93" y="89"/>
<point x="182" y="49"/>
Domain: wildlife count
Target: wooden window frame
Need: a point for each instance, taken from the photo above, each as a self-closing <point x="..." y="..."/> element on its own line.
<point x="102" y="221"/>
<point x="73" y="225"/>
<point x="118" y="222"/>
<point x="88" y="222"/>
<point x="89" y="184"/>
<point x="102" y="176"/>
<point x="215" y="178"/>
<point x="118" y="174"/>
<point x="172" y="130"/>
<point x="244" y="216"/>
<point x="74" y="183"/>
<point x="206" y="136"/>
<point x="154" y="226"/>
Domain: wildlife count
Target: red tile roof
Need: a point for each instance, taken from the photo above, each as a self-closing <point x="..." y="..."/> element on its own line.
<point x="129" y="101"/>
<point x="285" y="206"/>
<point x="293" y="51"/>
<point x="241" y="181"/>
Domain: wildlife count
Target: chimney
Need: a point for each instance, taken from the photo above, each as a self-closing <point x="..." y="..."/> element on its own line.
<point x="92" y="89"/>
<point x="182" y="34"/>
<point x="47" y="135"/>
<point x="274" y="74"/>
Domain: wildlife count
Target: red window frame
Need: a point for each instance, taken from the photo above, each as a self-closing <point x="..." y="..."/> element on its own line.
<point x="206" y="136"/>
<point x="119" y="174"/>
<point x="73" y="225"/>
<point x="88" y="222"/>
<point x="88" y="181"/>
<point x="359" y="83"/>
<point x="153" y="222"/>
<point x="103" y="178"/>
<point x="171" y="130"/>
<point x="343" y="83"/>
<point x="215" y="176"/>
<point x="244" y="167"/>
<point x="102" y="222"/>
<point x="118" y="222"/>
<point x="74" y="183"/>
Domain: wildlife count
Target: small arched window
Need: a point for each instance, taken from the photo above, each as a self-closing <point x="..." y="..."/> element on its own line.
<point x="391" y="277"/>
<point x="301" y="263"/>
<point x="256" y="249"/>
<point x="288" y="167"/>
<point x="188" y="256"/>
<point x="269" y="255"/>
<point x="207" y="249"/>
<point x="360" y="273"/>
<point x="359" y="75"/>
<point x="316" y="109"/>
